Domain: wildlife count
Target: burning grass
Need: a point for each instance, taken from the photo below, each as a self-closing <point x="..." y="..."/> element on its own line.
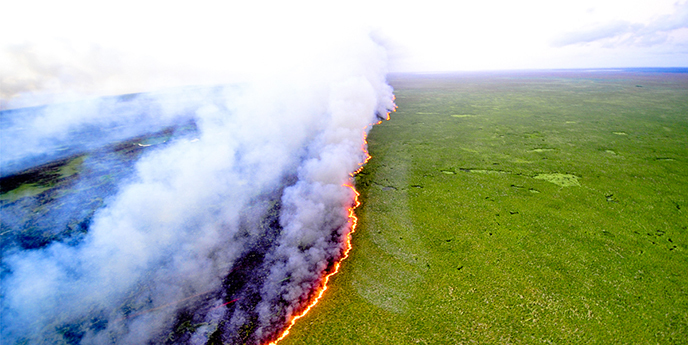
<point x="451" y="250"/>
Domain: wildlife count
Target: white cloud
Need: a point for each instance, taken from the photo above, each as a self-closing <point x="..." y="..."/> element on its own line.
<point x="624" y="33"/>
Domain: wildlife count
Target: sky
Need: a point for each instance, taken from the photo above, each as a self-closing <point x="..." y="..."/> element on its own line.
<point x="110" y="47"/>
<point x="494" y="35"/>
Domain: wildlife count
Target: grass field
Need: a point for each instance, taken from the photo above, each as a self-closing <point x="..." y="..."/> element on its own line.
<point x="524" y="208"/>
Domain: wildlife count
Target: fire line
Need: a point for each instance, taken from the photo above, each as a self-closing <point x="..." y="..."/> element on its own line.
<point x="354" y="221"/>
<point x="347" y="249"/>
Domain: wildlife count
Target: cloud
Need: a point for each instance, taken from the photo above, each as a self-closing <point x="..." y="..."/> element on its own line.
<point x="600" y="32"/>
<point x="624" y="33"/>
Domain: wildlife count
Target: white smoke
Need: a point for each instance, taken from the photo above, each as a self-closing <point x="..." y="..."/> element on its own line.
<point x="172" y="234"/>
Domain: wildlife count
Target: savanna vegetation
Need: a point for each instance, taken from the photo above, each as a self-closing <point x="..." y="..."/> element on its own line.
<point x="534" y="207"/>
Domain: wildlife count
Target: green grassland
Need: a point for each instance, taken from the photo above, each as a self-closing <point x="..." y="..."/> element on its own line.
<point x="519" y="208"/>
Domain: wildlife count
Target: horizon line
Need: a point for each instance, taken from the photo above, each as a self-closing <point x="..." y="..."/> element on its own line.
<point x="581" y="69"/>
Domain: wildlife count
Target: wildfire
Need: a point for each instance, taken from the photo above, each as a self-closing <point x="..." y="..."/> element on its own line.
<point x="354" y="221"/>
<point x="364" y="147"/>
<point x="367" y="158"/>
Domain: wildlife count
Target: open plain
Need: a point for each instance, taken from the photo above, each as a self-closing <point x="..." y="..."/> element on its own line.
<point x="519" y="207"/>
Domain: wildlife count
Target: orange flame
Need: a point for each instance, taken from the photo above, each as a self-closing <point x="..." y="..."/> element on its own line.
<point x="364" y="147"/>
<point x="354" y="221"/>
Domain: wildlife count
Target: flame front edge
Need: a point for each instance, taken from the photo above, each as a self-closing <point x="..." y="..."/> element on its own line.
<point x="353" y="220"/>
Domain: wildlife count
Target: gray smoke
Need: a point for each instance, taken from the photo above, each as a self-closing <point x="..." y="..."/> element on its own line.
<point x="218" y="236"/>
<point x="36" y="135"/>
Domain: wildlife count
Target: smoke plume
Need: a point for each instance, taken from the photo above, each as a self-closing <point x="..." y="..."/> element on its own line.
<point x="228" y="205"/>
